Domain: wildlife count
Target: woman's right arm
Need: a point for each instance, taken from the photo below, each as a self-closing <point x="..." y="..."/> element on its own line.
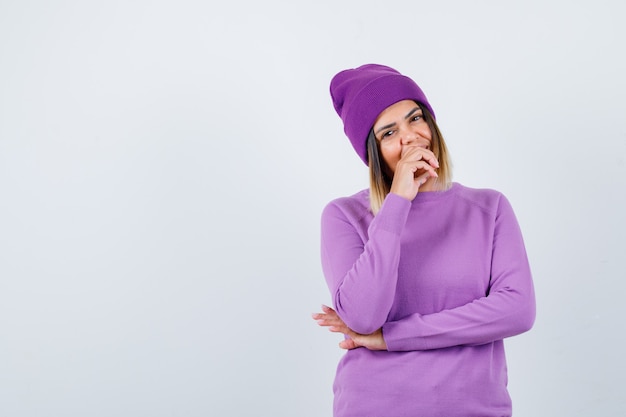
<point x="361" y="269"/>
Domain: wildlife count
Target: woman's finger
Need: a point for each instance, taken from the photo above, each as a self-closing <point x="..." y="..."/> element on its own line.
<point x="348" y="344"/>
<point x="420" y="165"/>
<point x="327" y="309"/>
<point x="431" y="159"/>
<point x="417" y="166"/>
<point x="421" y="179"/>
<point x="416" y="153"/>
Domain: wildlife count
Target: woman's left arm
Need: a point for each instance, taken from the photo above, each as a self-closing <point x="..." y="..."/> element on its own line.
<point x="507" y="310"/>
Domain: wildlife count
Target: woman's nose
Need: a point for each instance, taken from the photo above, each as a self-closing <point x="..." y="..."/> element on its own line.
<point x="408" y="137"/>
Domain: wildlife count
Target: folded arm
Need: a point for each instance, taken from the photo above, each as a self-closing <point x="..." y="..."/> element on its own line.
<point x="362" y="270"/>
<point x="507" y="310"/>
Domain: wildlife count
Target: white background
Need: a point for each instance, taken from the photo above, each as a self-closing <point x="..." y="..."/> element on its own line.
<point x="163" y="166"/>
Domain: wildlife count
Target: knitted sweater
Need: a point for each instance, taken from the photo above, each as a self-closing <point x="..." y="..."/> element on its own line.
<point x="447" y="278"/>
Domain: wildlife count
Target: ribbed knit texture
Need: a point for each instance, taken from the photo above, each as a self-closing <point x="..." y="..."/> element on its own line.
<point x="447" y="278"/>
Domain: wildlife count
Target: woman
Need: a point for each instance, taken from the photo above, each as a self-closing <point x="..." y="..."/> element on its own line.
<point x="427" y="276"/>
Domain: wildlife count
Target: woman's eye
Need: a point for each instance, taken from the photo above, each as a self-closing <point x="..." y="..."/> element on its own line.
<point x="416" y="117"/>
<point x="386" y="134"/>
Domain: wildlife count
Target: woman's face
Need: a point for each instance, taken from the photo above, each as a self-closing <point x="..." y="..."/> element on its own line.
<point x="398" y="127"/>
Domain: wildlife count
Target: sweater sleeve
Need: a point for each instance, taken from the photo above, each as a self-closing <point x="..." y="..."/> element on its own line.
<point x="508" y="308"/>
<point x="361" y="269"/>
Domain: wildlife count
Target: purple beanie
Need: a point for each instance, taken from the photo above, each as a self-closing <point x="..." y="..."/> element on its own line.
<point x="361" y="94"/>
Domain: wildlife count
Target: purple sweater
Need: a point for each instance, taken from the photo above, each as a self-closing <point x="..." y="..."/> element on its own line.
<point x="447" y="278"/>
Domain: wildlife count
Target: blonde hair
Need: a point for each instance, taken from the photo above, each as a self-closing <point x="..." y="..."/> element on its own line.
<point x="380" y="180"/>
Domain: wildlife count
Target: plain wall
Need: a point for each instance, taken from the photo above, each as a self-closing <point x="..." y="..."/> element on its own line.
<point x="163" y="166"/>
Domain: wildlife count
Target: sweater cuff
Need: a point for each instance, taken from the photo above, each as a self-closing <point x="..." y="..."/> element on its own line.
<point x="397" y="340"/>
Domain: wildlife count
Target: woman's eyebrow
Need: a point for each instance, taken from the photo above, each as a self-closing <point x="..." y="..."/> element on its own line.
<point x="386" y="127"/>
<point x="409" y="114"/>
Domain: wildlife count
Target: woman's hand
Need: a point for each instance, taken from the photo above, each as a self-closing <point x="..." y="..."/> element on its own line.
<point x="329" y="318"/>
<point x="416" y="166"/>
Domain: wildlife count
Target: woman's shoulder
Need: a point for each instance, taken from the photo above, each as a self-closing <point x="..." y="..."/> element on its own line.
<point x="355" y="205"/>
<point x="486" y="198"/>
